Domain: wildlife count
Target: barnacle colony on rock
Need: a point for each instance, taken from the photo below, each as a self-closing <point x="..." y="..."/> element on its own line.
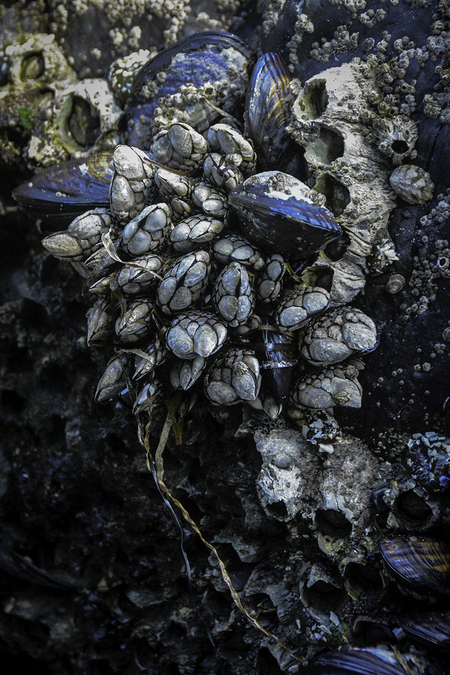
<point x="193" y="191"/>
<point x="190" y="303"/>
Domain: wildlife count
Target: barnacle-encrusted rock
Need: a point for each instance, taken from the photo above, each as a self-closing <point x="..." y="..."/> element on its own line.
<point x="87" y="117"/>
<point x="412" y="184"/>
<point x="331" y="121"/>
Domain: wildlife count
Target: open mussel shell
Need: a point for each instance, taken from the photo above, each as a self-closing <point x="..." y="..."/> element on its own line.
<point x="69" y="188"/>
<point x="205" y="59"/>
<point x="268" y="110"/>
<point x="421" y="564"/>
<point x="275" y="215"/>
<point x="430" y="630"/>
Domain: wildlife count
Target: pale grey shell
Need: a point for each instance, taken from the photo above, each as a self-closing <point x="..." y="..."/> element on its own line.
<point x="234" y="297"/>
<point x="412" y="184"/>
<point x="233" y="377"/>
<point x="336" y="335"/>
<point x="336" y="385"/>
<point x="135" y="322"/>
<point x="195" y="334"/>
<point x="298" y="306"/>
<point x="148" y="231"/>
<point x="184" y="282"/>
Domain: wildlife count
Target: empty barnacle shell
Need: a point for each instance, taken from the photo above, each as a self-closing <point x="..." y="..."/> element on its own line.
<point x="113" y="380"/>
<point x="300" y="305"/>
<point x="395" y="283"/>
<point x="82" y="238"/>
<point x="336" y="385"/>
<point x="233" y="377"/>
<point x="132" y="183"/>
<point x="136" y="321"/>
<point x="232" y="247"/>
<point x="336" y="335"/>
<point x="217" y="67"/>
<point x="184" y="282"/>
<point x="268" y="283"/>
<point x="87" y="116"/>
<point x="431" y="630"/>
<point x="69" y="188"/>
<point x="427" y="458"/>
<point x="396" y="138"/>
<point x="412" y="184"/>
<point x="185" y="373"/>
<point x="148" y="231"/>
<point x="277" y="211"/>
<point x="194" y="232"/>
<point x="420" y="564"/>
<point x="195" y="334"/>
<point x="138" y="277"/>
<point x="268" y="110"/>
<point x="234" y="297"/>
<point x="180" y="147"/>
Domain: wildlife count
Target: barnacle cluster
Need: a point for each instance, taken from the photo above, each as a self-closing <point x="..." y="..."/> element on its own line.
<point x="178" y="199"/>
<point x="194" y="290"/>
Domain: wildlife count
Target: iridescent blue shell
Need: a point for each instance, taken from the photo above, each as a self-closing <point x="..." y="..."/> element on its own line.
<point x="68" y="189"/>
<point x="291" y="226"/>
<point x="201" y="59"/>
<point x="268" y="111"/>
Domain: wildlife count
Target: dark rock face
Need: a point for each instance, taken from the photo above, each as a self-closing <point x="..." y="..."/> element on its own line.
<point x="93" y="576"/>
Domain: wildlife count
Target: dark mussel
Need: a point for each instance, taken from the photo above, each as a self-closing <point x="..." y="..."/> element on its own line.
<point x="219" y="61"/>
<point x="268" y="111"/>
<point x="354" y="661"/>
<point x="278" y="362"/>
<point x="68" y="189"/>
<point x="419" y="563"/>
<point x="427" y="459"/>
<point x="432" y="630"/>
<point x="276" y="214"/>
